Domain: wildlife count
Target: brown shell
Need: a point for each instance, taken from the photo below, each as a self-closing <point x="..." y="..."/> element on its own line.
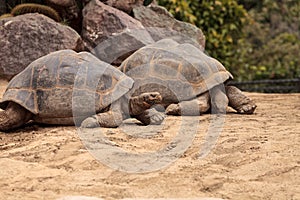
<point x="56" y="85"/>
<point x="178" y="71"/>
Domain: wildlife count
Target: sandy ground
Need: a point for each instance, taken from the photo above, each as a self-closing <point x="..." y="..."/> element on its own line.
<point x="255" y="157"/>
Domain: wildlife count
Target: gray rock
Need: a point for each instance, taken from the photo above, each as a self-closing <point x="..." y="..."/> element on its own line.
<point x="124" y="5"/>
<point x="63" y="3"/>
<point x="161" y="24"/>
<point x="111" y="34"/>
<point x="27" y="37"/>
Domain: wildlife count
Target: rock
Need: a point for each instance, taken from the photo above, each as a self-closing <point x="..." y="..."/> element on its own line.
<point x="111" y="34"/>
<point x="63" y="3"/>
<point x="161" y="24"/>
<point x="27" y="37"/>
<point x="124" y="5"/>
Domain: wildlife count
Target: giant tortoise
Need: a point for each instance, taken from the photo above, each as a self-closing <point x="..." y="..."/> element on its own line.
<point x="64" y="87"/>
<point x="184" y="76"/>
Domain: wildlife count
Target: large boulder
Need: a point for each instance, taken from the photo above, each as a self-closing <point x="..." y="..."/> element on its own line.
<point x="111" y="34"/>
<point x="161" y="24"/>
<point x="27" y="37"/>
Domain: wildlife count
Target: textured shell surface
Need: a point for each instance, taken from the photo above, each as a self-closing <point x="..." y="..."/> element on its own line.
<point x="64" y="82"/>
<point x="178" y="71"/>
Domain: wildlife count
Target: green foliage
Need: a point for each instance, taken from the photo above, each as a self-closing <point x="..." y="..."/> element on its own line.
<point x="220" y="20"/>
<point x="271" y="46"/>
<point x="257" y="43"/>
<point x="277" y="58"/>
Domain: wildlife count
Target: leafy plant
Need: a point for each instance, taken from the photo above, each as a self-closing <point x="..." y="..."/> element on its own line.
<point x="272" y="42"/>
<point x="220" y="20"/>
<point x="257" y="43"/>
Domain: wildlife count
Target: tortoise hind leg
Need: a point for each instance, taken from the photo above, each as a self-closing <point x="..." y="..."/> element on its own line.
<point x="193" y="107"/>
<point x="13" y="117"/>
<point x="238" y="101"/>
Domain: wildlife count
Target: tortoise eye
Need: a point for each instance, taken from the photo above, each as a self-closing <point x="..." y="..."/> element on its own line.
<point x="147" y="2"/>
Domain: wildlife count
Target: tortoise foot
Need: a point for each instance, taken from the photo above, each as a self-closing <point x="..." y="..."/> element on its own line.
<point x="151" y="116"/>
<point x="240" y="102"/>
<point x="90" y="122"/>
<point x="173" y="109"/>
<point x="247" y="108"/>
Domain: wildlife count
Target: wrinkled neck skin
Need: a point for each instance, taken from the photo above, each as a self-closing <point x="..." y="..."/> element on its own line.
<point x="137" y="106"/>
<point x="130" y="105"/>
<point x="122" y="106"/>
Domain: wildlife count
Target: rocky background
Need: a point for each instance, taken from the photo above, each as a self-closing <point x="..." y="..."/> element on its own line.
<point x="111" y="29"/>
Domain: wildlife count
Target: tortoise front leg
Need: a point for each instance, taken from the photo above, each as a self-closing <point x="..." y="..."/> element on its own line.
<point x="140" y="108"/>
<point x="13" y="117"/>
<point x="151" y="116"/>
<point x="108" y="119"/>
<point x="219" y="100"/>
<point x="193" y="107"/>
<point x="111" y="119"/>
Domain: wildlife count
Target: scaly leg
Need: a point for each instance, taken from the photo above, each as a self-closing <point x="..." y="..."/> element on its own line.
<point x="151" y="116"/>
<point x="110" y="119"/>
<point x="238" y="101"/>
<point x="219" y="100"/>
<point x="13" y="117"/>
<point x="193" y="107"/>
<point x="139" y="107"/>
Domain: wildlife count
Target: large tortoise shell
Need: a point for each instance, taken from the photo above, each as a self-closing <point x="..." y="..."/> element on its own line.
<point x="178" y="71"/>
<point x="55" y="85"/>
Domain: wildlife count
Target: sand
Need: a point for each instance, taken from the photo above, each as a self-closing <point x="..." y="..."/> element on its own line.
<point x="255" y="157"/>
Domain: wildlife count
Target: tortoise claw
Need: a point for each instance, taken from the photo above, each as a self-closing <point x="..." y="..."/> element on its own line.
<point x="151" y="116"/>
<point x="247" y="109"/>
<point x="90" y="122"/>
<point x="156" y="117"/>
